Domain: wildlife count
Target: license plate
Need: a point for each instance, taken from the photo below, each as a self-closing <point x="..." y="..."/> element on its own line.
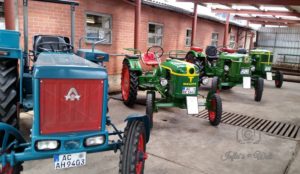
<point x="269" y="76"/>
<point x="247" y="82"/>
<point x="69" y="160"/>
<point x="188" y="90"/>
<point x="267" y="68"/>
<point x="192" y="105"/>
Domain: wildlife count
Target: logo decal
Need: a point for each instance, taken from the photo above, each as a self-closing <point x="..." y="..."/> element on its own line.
<point x="72" y="95"/>
<point x="191" y="79"/>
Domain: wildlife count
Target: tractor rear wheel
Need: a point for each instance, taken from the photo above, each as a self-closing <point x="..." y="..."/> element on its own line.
<point x="133" y="151"/>
<point x="278" y="79"/>
<point x="215" y="110"/>
<point x="259" y="88"/>
<point x="9" y="92"/>
<point x="150" y="106"/>
<point x="129" y="85"/>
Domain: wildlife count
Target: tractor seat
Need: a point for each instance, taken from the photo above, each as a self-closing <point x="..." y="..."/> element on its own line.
<point x="211" y="53"/>
<point x="149" y="59"/>
<point x="197" y="49"/>
<point x="39" y="39"/>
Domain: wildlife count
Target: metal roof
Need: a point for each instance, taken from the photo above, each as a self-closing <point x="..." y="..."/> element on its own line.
<point x="169" y="7"/>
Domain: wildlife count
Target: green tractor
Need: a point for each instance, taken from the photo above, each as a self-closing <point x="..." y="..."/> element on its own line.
<point x="176" y="81"/>
<point x="231" y="69"/>
<point x="262" y="66"/>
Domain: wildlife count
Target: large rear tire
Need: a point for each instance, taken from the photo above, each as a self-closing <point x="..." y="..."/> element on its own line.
<point x="129" y="85"/>
<point x="150" y="106"/>
<point x="278" y="79"/>
<point x="133" y="151"/>
<point x="259" y="88"/>
<point x="215" y="110"/>
<point x="9" y="92"/>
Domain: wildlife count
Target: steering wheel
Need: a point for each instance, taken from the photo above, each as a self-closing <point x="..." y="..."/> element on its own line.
<point x="65" y="47"/>
<point x="157" y="50"/>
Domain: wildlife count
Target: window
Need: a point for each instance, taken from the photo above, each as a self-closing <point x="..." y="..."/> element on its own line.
<point x="155" y="34"/>
<point x="2" y="20"/>
<point x="214" y="39"/>
<point x="98" y="26"/>
<point x="188" y="38"/>
<point x="232" y="41"/>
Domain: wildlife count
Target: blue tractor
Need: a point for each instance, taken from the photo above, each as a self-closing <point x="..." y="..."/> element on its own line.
<point x="69" y="96"/>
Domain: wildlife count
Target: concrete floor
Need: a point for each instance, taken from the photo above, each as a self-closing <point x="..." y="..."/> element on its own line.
<point x="183" y="144"/>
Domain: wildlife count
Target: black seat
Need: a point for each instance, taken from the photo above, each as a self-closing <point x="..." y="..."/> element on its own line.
<point x="211" y="53"/>
<point x="242" y="51"/>
<point x="58" y="44"/>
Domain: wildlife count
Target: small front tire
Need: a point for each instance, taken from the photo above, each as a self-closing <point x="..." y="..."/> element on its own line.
<point x="150" y="106"/>
<point x="133" y="151"/>
<point x="278" y="79"/>
<point x="259" y="88"/>
<point x="215" y="110"/>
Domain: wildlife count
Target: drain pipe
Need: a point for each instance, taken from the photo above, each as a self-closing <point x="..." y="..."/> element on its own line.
<point x="9" y="15"/>
<point x="25" y="30"/>
<point x="73" y="25"/>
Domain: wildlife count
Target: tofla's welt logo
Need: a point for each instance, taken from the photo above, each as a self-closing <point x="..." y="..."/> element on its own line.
<point x="72" y="95"/>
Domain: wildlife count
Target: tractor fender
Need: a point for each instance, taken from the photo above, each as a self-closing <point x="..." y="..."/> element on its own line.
<point x="142" y="118"/>
<point x="135" y="64"/>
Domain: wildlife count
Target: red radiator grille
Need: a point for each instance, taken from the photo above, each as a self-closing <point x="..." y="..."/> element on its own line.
<point x="62" y="113"/>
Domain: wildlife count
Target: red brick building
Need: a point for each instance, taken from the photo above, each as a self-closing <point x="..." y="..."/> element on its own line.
<point x="161" y="24"/>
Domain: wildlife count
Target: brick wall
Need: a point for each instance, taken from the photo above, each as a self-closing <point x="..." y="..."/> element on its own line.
<point x="48" y="18"/>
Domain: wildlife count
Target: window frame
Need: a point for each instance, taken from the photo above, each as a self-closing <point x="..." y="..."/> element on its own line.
<point x="188" y="37"/>
<point x="155" y="35"/>
<point x="232" y="41"/>
<point x="213" y="40"/>
<point x="102" y="15"/>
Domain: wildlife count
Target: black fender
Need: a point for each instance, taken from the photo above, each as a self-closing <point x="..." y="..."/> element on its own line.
<point x="142" y="118"/>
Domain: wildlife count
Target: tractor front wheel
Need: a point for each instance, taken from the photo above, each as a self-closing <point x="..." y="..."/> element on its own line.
<point x="215" y="85"/>
<point x="226" y="87"/>
<point x="278" y="79"/>
<point x="8" y="92"/>
<point x="129" y="85"/>
<point x="259" y="88"/>
<point x="7" y="169"/>
<point x="215" y="110"/>
<point x="150" y="106"/>
<point x="9" y="142"/>
<point x="133" y="151"/>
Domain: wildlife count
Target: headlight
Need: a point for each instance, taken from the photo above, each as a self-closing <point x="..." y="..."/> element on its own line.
<point x="252" y="68"/>
<point x="94" y="141"/>
<point x="205" y="80"/>
<point x="245" y="71"/>
<point x="47" y="145"/>
<point x="268" y="68"/>
<point x="226" y="67"/>
<point x="163" y="82"/>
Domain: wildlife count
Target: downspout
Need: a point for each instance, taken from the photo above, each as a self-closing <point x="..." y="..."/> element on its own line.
<point x="194" y="26"/>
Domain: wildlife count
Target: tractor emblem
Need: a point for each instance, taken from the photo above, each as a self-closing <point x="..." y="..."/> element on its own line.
<point x="72" y="95"/>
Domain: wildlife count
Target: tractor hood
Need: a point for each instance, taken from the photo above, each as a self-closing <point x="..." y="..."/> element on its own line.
<point x="67" y="66"/>
<point x="235" y="57"/>
<point x="180" y="67"/>
<point x="263" y="52"/>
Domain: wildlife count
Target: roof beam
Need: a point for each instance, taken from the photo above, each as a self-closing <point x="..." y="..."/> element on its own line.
<point x="268" y="23"/>
<point x="267" y="19"/>
<point x="263" y="2"/>
<point x="257" y="12"/>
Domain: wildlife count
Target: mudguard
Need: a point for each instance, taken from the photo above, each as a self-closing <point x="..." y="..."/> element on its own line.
<point x="142" y="118"/>
<point x="134" y="64"/>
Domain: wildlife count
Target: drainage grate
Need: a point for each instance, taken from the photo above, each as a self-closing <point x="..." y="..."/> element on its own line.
<point x="270" y="127"/>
